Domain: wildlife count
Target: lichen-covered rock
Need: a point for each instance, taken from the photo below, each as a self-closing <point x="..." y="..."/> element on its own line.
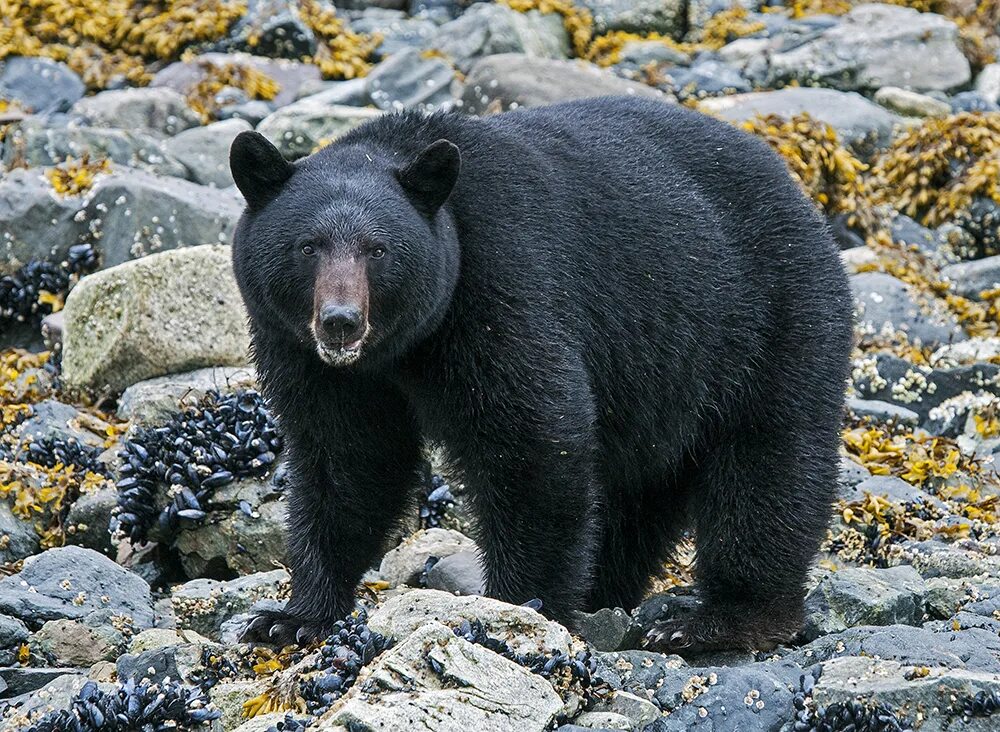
<point x="497" y="83"/>
<point x="165" y="313"/>
<point x="160" y="110"/>
<point x="525" y="630"/>
<point x="438" y="682"/>
<point x="205" y="151"/>
<point x="155" y="400"/>
<point x="308" y="123"/>
<point x="404" y="564"/>
<point x="862" y="596"/>
<point x="72" y="583"/>
<point x="879" y="45"/>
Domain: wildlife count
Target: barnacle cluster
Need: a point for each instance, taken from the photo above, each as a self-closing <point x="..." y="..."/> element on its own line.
<point x="203" y="97"/>
<point x="341" y="53"/>
<point x="855" y="715"/>
<point x="831" y="175"/>
<point x="105" y="39"/>
<point x="131" y="706"/>
<point x="39" y="287"/>
<point x="199" y="450"/>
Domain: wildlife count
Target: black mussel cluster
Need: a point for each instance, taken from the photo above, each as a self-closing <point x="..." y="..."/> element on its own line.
<point x="228" y="437"/>
<point x="214" y="669"/>
<point x="853" y="716"/>
<point x="437" y="500"/>
<point x="288" y="724"/>
<point x="20" y="292"/>
<point x="351" y="646"/>
<point x="138" y="707"/>
<point x="983" y="704"/>
<point x="582" y="666"/>
<point x="52" y="451"/>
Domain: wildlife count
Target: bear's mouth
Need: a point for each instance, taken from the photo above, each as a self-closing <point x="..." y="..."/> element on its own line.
<point x="343" y="353"/>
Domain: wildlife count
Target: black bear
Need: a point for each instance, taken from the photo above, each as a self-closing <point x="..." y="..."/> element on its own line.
<point x="619" y="318"/>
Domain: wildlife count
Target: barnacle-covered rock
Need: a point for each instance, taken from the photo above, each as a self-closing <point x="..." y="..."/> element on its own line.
<point x="411" y="79"/>
<point x="432" y="659"/>
<point x="165" y="313"/>
<point x="886" y="306"/>
<point x="205" y="151"/>
<point x="299" y="128"/>
<point x="974" y="278"/>
<point x="205" y="604"/>
<point x="159" y="110"/>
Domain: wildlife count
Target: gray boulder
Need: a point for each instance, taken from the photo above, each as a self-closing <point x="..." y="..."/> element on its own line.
<point x="488" y="29"/>
<point x="886" y="305"/>
<point x="89" y="517"/>
<point x="204" y="605"/>
<point x="18" y="538"/>
<point x="863" y="596"/>
<point x="404" y="564"/>
<point x="408" y="79"/>
<point x="160" y="110"/>
<point x="461" y="574"/>
<point x="39" y="85"/>
<point x="299" y="128"/>
<point x="988" y="82"/>
<point x="910" y="103"/>
<point x="72" y="583"/>
<point x="879" y="45"/>
<point x="78" y="643"/>
<point x="511" y="80"/>
<point x="205" y="151"/>
<point x="443" y="673"/>
<point x="858" y="122"/>
<point x="882" y="412"/>
<point x="165" y="313"/>
<point x="972" y="278"/>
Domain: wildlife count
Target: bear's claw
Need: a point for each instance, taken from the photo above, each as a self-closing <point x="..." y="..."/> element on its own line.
<point x="282" y="629"/>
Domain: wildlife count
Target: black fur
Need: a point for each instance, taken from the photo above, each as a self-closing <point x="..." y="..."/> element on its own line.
<point x="624" y="320"/>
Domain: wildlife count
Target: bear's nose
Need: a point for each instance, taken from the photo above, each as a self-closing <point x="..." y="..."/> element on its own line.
<point x="341" y="322"/>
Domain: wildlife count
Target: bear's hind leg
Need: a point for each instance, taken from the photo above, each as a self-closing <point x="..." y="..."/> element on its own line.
<point x="761" y="505"/>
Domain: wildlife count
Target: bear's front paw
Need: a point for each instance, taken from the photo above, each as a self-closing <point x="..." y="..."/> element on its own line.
<point x="279" y="628"/>
<point x="719" y="631"/>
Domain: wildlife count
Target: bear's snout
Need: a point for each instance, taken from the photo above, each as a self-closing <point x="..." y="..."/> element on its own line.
<point x="341" y="323"/>
<point x="340" y="310"/>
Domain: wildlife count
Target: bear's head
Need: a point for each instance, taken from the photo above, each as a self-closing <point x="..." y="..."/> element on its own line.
<point x="351" y="252"/>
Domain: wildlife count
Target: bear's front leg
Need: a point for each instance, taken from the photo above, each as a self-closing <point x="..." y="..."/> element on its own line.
<point x="353" y="456"/>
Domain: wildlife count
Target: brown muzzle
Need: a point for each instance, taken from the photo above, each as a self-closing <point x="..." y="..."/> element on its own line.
<point x="340" y="302"/>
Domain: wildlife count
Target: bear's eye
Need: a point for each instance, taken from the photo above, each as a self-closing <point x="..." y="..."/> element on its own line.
<point x="308" y="250"/>
<point x="377" y="253"/>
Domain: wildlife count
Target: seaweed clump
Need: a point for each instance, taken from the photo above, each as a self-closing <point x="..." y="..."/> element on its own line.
<point x="938" y="172"/>
<point x="104" y="40"/>
<point x="341" y="53"/>
<point x="578" y="22"/>
<point x="203" y="97"/>
<point x="76" y="177"/>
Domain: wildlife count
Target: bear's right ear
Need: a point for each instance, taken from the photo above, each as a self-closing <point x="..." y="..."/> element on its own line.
<point x="259" y="170"/>
<point x="429" y="178"/>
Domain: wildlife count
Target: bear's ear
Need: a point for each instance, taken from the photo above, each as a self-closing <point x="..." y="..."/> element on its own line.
<point x="429" y="178"/>
<point x="258" y="168"/>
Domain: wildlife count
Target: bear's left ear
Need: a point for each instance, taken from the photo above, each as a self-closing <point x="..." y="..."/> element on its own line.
<point x="429" y="178"/>
<point x="259" y="169"/>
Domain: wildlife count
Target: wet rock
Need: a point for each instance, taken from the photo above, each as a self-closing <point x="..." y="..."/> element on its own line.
<point x="645" y="16"/>
<point x="88" y="520"/>
<point x="443" y="672"/>
<point x="154" y="400"/>
<point x="604" y="630"/>
<point x="18" y="538"/>
<point x="857" y="121"/>
<point x="205" y="151"/>
<point x="308" y="123"/>
<point x="35" y="223"/>
<point x="886" y="305"/>
<point x="204" y="605"/>
<point x="988" y="83"/>
<point x="460" y="574"/>
<point x="289" y="75"/>
<point x="598" y="721"/>
<point x="39" y="85"/>
<point x="398" y="30"/>
<point x="132" y="213"/>
<point x="525" y="630"/>
<point x="165" y="313"/>
<point x="179" y="660"/>
<point x="883" y="412"/>
<point x="972" y="278"/>
<point x="40" y="691"/>
<point x="72" y="583"/>
<point x="879" y="45"/>
<point x="272" y="28"/>
<point x="500" y="82"/>
<point x="938" y="559"/>
<point x="911" y="104"/>
<point x="408" y="80"/>
<point x="54" y="420"/>
<point x="404" y="564"/>
<point x="849" y="475"/>
<point x="893" y="489"/>
<point x="76" y="643"/>
<point x="639" y="711"/>
<point x="707" y="78"/>
<point x="864" y="596"/>
<point x="756" y="696"/>
<point x="640" y="672"/>
<point x="160" y="110"/>
<point x="12" y="632"/>
<point x="974" y="649"/>
<point x="486" y="29"/>
<point x="229" y="696"/>
<point x="36" y="142"/>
